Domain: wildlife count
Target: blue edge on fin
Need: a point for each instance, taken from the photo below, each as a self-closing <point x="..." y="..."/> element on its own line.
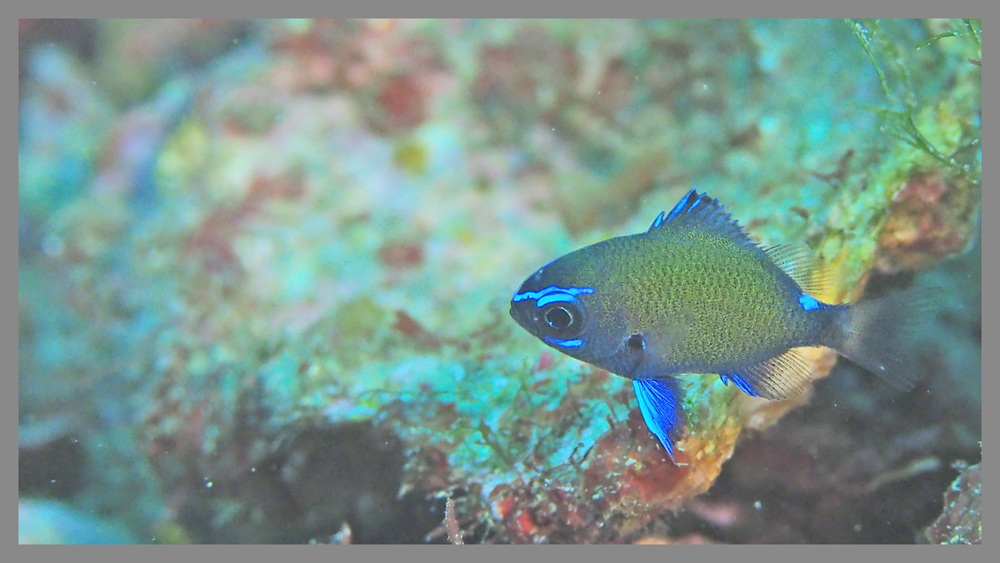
<point x="739" y="382"/>
<point x="658" y="404"/>
<point x="677" y="210"/>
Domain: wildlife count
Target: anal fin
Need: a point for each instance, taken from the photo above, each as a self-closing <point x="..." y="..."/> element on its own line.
<point x="658" y="404"/>
<point x="739" y="382"/>
<point x="779" y="377"/>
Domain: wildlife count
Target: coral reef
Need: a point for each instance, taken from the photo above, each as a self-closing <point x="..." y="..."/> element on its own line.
<point x="962" y="521"/>
<point x="278" y="279"/>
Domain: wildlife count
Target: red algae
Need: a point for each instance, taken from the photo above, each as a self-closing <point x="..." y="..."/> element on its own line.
<point x="401" y="254"/>
<point x="927" y="222"/>
<point x="409" y="326"/>
<point x="629" y="473"/>
<point x="545" y="361"/>
<point x="402" y="103"/>
<point x="210" y="245"/>
<point x="535" y="513"/>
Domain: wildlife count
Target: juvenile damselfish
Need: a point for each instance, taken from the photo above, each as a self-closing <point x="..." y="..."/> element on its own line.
<point x="694" y="294"/>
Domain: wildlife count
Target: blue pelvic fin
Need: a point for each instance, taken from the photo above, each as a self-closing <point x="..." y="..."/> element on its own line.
<point x="659" y="407"/>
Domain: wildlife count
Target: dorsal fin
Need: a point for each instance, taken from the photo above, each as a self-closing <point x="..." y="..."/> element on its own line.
<point x="800" y="263"/>
<point x="701" y="213"/>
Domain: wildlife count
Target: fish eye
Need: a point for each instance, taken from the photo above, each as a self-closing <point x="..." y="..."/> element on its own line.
<point x="559" y="318"/>
<point x="563" y="319"/>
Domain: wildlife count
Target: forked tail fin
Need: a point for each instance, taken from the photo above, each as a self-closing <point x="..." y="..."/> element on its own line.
<point x="879" y="334"/>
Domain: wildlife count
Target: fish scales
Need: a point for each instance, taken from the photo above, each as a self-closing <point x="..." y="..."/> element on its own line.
<point x="694" y="294"/>
<point x="727" y="295"/>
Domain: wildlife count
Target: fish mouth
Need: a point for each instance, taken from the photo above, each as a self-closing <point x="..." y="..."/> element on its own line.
<point x="522" y="316"/>
<point x="515" y="313"/>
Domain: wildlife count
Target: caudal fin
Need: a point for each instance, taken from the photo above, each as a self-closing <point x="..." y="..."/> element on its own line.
<point x="879" y="334"/>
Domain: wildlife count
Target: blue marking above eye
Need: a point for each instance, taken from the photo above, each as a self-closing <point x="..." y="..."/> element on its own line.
<point x="559" y="295"/>
<point x="809" y="303"/>
<point x="555" y="297"/>
<point x="575" y="343"/>
<point x="536" y="295"/>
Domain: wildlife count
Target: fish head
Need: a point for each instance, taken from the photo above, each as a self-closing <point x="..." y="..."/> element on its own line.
<point x="570" y="305"/>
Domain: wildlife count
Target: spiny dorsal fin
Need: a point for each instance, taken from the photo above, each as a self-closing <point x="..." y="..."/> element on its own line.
<point x="701" y="213"/>
<point x="800" y="263"/>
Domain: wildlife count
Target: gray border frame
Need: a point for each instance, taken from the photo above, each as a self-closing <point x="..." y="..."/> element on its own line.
<point x="559" y="8"/>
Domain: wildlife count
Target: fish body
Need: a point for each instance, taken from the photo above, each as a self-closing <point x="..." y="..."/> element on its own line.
<point x="694" y="294"/>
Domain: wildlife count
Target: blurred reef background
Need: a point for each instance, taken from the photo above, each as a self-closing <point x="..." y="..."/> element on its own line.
<point x="265" y="266"/>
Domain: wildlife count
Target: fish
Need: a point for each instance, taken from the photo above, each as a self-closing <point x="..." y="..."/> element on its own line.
<point x="695" y="294"/>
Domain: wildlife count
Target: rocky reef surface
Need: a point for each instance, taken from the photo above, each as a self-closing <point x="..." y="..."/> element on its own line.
<point x="264" y="271"/>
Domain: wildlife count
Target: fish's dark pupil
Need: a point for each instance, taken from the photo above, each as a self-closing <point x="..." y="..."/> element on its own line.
<point x="636" y="342"/>
<point x="558" y="318"/>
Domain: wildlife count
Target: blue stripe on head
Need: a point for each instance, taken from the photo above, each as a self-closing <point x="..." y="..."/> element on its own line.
<point x="552" y="289"/>
<point x="576" y="343"/>
<point x="808" y="303"/>
<point x="534" y="294"/>
<point x="555" y="297"/>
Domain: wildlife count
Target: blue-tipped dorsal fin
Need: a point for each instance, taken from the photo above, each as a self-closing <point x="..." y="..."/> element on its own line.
<point x="700" y="213"/>
<point x="659" y="407"/>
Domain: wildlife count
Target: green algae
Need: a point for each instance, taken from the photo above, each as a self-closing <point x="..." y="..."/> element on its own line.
<point x="707" y="402"/>
<point x="904" y="120"/>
